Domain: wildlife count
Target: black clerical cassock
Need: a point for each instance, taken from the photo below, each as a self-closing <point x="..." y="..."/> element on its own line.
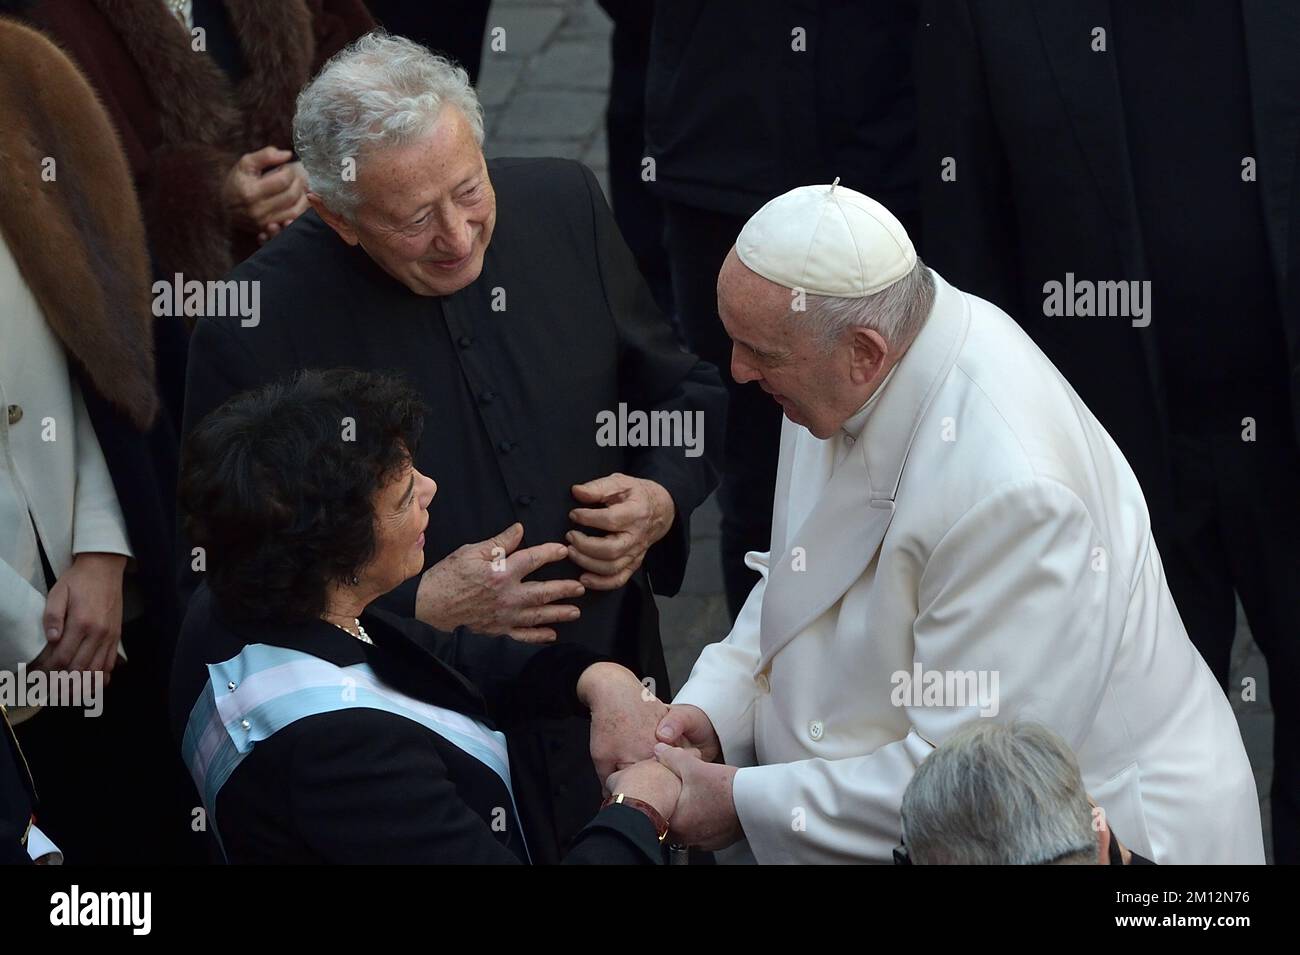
<point x="515" y="392"/>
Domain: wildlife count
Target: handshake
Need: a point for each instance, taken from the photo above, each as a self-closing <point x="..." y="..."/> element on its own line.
<point x="668" y="756"/>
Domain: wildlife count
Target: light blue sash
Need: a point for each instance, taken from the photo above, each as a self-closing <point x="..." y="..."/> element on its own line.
<point x="265" y="688"/>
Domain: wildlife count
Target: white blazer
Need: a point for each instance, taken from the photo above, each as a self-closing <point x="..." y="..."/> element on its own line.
<point x="974" y="516"/>
<point x="53" y="478"/>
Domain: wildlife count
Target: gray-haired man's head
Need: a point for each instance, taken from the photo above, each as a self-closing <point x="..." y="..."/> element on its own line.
<point x="391" y="138"/>
<point x="999" y="794"/>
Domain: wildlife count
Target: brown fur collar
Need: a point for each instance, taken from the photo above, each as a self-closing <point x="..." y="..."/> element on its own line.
<point x="195" y="100"/>
<point x="78" y="240"/>
<point x="206" y="124"/>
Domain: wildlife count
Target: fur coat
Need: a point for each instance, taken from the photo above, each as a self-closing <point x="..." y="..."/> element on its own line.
<point x="73" y="224"/>
<point x="71" y="220"/>
<point x="182" y="122"/>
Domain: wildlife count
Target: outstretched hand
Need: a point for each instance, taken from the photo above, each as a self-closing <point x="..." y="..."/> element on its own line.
<point x="482" y="586"/>
<point x="624" y="715"/>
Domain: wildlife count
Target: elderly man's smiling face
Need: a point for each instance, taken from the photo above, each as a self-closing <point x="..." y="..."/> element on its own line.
<point x="427" y="208"/>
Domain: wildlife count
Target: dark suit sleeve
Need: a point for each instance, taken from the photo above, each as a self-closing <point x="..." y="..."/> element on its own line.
<point x="518" y="681"/>
<point x="969" y="222"/>
<point x="543" y="684"/>
<point x="618" y="835"/>
<point x="655" y="374"/>
<point x="378" y="792"/>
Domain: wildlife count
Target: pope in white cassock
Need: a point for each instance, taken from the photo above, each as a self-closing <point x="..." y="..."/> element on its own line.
<point x="954" y="538"/>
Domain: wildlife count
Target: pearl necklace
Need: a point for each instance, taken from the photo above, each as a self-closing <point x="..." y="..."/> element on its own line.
<point x="360" y="634"/>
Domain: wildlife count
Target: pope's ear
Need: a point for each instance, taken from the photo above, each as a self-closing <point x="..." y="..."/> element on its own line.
<point x="870" y="352"/>
<point x="335" y="221"/>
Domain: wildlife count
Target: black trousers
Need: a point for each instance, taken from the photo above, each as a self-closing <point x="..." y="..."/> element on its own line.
<point x="1236" y="531"/>
<point x="698" y="241"/>
<point x="112" y="789"/>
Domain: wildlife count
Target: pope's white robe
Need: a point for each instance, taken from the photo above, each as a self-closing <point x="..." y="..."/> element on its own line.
<point x="974" y="516"/>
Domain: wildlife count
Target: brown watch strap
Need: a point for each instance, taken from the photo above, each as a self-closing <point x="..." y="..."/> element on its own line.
<point x="640" y="805"/>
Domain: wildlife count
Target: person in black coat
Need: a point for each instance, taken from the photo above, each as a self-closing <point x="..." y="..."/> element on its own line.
<point x="1151" y="146"/>
<point x="638" y="211"/>
<point x="320" y="730"/>
<point x="503" y="292"/>
<point x="746" y="100"/>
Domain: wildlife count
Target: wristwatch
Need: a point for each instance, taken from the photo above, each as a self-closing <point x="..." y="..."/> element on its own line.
<point x="640" y="805"/>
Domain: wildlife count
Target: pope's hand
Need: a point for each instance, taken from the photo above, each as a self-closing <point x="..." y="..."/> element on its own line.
<point x="705" y="815"/>
<point x="687" y="725"/>
<point x="624" y="715"/>
<point x="482" y="586"/>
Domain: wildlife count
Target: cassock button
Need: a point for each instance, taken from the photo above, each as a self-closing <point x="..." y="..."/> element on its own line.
<point x="505" y="447"/>
<point x="523" y="500"/>
<point x="816" y="730"/>
<point x="487" y="397"/>
<point x="15" y="414"/>
<point x="465" y="341"/>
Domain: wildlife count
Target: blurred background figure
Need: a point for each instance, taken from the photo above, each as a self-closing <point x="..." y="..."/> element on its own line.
<point x="1005" y="794"/>
<point x="1149" y="142"/>
<point x="201" y="93"/>
<point x="745" y="101"/>
<point x="452" y="28"/>
<point x="637" y="209"/>
<point x="87" y="469"/>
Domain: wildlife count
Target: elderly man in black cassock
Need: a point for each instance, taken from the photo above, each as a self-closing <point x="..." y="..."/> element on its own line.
<point x="503" y="292"/>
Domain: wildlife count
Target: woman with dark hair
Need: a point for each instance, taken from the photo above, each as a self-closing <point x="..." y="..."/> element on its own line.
<point x="317" y="730"/>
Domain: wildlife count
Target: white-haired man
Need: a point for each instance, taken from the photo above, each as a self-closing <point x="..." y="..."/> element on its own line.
<point x="1005" y="794"/>
<point x="954" y="538"/>
<point x="503" y="292"/>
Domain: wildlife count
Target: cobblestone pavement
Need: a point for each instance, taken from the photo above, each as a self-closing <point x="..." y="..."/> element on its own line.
<point x="544" y="95"/>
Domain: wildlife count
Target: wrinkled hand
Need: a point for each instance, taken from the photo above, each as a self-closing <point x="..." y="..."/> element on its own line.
<point x="705" y="815"/>
<point x="83" y="616"/>
<point x="687" y="725"/>
<point x="634" y="513"/>
<point x="261" y="198"/>
<point x="481" y="586"/>
<point x="650" y="781"/>
<point x="624" y="716"/>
